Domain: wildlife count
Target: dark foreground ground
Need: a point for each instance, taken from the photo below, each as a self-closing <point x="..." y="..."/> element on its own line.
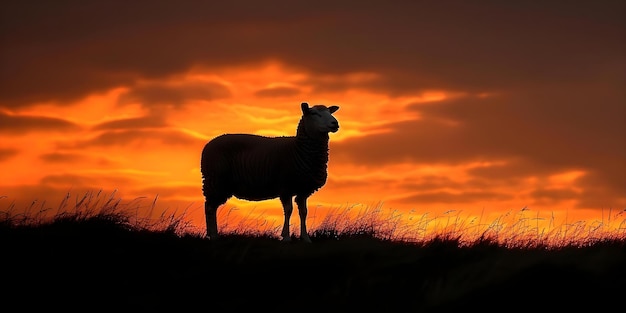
<point x="94" y="267"/>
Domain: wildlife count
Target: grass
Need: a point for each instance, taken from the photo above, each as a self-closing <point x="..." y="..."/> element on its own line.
<point x="97" y="252"/>
<point x="514" y="229"/>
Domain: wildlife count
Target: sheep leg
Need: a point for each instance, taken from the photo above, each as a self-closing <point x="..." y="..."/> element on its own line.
<point x="302" y="210"/>
<point x="288" y="208"/>
<point x="210" y="212"/>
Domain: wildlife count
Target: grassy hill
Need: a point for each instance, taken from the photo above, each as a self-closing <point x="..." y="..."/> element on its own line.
<point x="104" y="261"/>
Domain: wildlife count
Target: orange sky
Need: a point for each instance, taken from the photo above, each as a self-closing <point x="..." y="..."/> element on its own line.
<point x="479" y="107"/>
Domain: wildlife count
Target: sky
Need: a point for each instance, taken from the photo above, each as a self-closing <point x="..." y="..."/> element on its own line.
<point x="484" y="107"/>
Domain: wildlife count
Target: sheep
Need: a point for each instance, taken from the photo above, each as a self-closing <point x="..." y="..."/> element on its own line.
<point x="257" y="168"/>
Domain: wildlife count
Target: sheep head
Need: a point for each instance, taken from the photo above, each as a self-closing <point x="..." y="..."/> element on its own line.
<point x="318" y="120"/>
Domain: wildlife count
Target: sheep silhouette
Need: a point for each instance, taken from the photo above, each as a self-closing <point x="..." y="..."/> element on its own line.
<point x="256" y="168"/>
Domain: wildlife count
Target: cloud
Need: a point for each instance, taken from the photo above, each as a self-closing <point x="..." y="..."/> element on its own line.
<point x="511" y="169"/>
<point x="535" y="132"/>
<point x="603" y="189"/>
<point x="552" y="196"/>
<point x="68" y="50"/>
<point x="84" y="181"/>
<point x="374" y="181"/>
<point x="133" y="123"/>
<point x="450" y="197"/>
<point x="554" y="86"/>
<point x="551" y="130"/>
<point x="21" y="124"/>
<point x="62" y="157"/>
<point x="164" y="95"/>
<point x="7" y="153"/>
<point x="276" y="92"/>
<point x="139" y="137"/>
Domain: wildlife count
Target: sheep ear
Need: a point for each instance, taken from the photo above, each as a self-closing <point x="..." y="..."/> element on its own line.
<point x="305" y="108"/>
<point x="333" y="109"/>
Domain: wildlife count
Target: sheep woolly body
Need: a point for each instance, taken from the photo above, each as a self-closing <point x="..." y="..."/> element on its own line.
<point x="256" y="168"/>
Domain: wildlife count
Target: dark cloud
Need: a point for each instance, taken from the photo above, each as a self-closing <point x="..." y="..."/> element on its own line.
<point x="62" y="157"/>
<point x="512" y="169"/>
<point x="163" y="95"/>
<point x="133" y="123"/>
<point x="552" y="196"/>
<point x="85" y="181"/>
<point x="603" y="190"/>
<point x="138" y="137"/>
<point x="6" y="153"/>
<point x="550" y="130"/>
<point x="65" y="50"/>
<point x="56" y="157"/>
<point x="430" y="182"/>
<point x="449" y="197"/>
<point x="423" y="183"/>
<point x="556" y="68"/>
<point x="21" y="124"/>
<point x="538" y="132"/>
<point x="276" y="92"/>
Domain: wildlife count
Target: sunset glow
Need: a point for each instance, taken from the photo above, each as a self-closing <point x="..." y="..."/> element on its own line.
<point x="491" y="116"/>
